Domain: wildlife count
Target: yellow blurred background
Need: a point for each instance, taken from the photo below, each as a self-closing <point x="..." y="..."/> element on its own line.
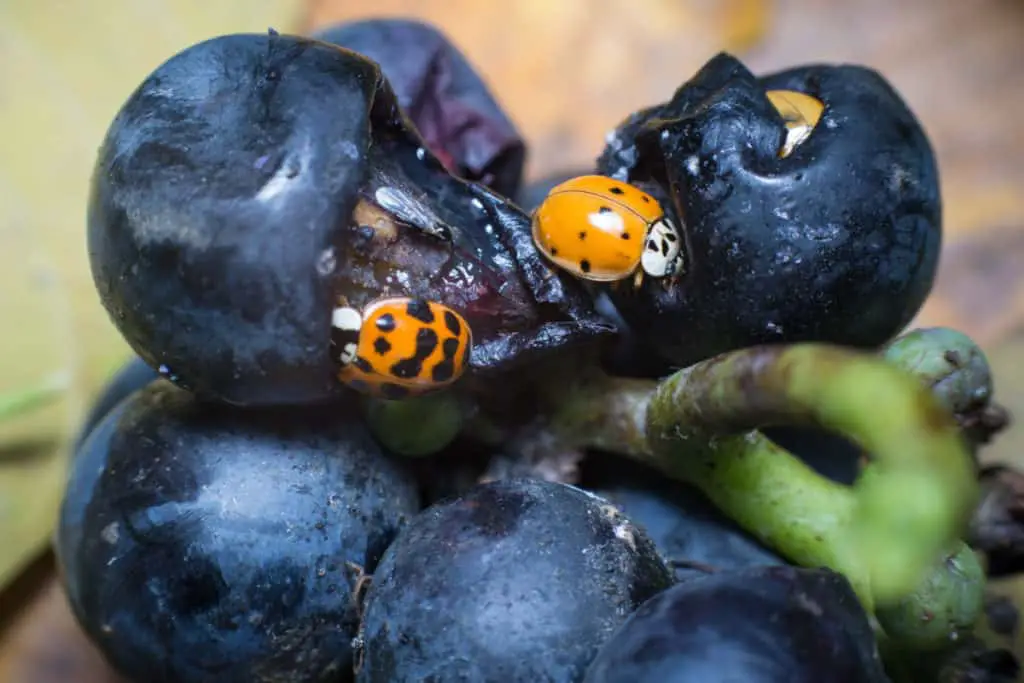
<point x="565" y="70"/>
<point x="65" y="68"/>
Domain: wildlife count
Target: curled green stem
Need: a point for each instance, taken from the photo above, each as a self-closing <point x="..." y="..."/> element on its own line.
<point x="900" y="520"/>
<point x="895" y="534"/>
<point x="699" y="425"/>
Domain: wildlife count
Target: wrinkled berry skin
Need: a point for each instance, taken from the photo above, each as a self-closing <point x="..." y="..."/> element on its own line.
<point x="450" y="104"/>
<point x="516" y="580"/>
<point x="757" y="625"/>
<point x="837" y="242"/>
<point x="131" y="377"/>
<point x="198" y="542"/>
<point x="216" y="205"/>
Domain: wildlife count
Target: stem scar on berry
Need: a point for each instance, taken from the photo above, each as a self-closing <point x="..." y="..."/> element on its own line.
<point x="800" y="112"/>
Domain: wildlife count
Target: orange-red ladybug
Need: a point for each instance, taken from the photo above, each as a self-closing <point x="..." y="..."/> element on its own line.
<point x="601" y="229"/>
<point x="801" y="113"/>
<point x="399" y="347"/>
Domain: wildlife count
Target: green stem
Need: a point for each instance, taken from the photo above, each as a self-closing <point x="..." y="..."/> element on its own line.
<point x="904" y="518"/>
<point x="698" y="425"/>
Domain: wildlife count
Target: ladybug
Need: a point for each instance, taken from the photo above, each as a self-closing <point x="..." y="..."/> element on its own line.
<point x="399" y="347"/>
<point x="604" y="230"/>
<point x="801" y="114"/>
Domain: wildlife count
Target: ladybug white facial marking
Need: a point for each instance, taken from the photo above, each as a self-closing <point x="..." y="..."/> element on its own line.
<point x="662" y="255"/>
<point x="345" y="326"/>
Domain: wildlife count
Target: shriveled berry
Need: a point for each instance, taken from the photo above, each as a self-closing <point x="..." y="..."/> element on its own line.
<point x="836" y="239"/>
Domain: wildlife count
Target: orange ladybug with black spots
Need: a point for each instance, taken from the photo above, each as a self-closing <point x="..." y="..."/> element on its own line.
<point x="604" y="230"/>
<point x="400" y="347"/>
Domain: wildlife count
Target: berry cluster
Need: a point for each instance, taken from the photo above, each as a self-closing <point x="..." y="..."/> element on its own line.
<point x="396" y="417"/>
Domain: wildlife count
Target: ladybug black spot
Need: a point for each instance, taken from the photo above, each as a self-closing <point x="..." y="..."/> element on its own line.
<point x="451" y="321"/>
<point x="554" y="252"/>
<point x="616" y="190"/>
<point x="445" y="370"/>
<point x="604" y="209"/>
<point x="450" y="347"/>
<point x="420" y="310"/>
<point x="363" y="364"/>
<point x="386" y="323"/>
<point x="645" y="199"/>
<point x="585" y="266"/>
<point x="410" y="368"/>
<point x="625" y="235"/>
<point x="381" y="346"/>
<point x="426" y="342"/>
<point x="583" y="235"/>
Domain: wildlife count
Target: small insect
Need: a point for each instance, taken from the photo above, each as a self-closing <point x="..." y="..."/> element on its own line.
<point x="604" y="230"/>
<point x="800" y="112"/>
<point x="399" y="347"/>
<point x="396" y="195"/>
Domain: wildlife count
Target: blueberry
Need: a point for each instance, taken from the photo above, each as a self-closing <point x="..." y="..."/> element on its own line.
<point x="199" y="542"/>
<point x="689" y="532"/>
<point x="131" y="377"/>
<point x="216" y="206"/>
<point x="448" y="101"/>
<point x="516" y="580"/>
<point x="756" y="625"/>
<point x="835" y="241"/>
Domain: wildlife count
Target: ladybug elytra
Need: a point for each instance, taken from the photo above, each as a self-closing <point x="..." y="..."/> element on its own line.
<point x="604" y="230"/>
<point x="399" y="347"/>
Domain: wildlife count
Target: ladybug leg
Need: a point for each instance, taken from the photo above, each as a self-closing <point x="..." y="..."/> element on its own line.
<point x="638" y="278"/>
<point x="446" y="267"/>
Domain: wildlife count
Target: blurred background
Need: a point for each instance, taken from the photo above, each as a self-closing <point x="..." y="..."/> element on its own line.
<point x="565" y="71"/>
